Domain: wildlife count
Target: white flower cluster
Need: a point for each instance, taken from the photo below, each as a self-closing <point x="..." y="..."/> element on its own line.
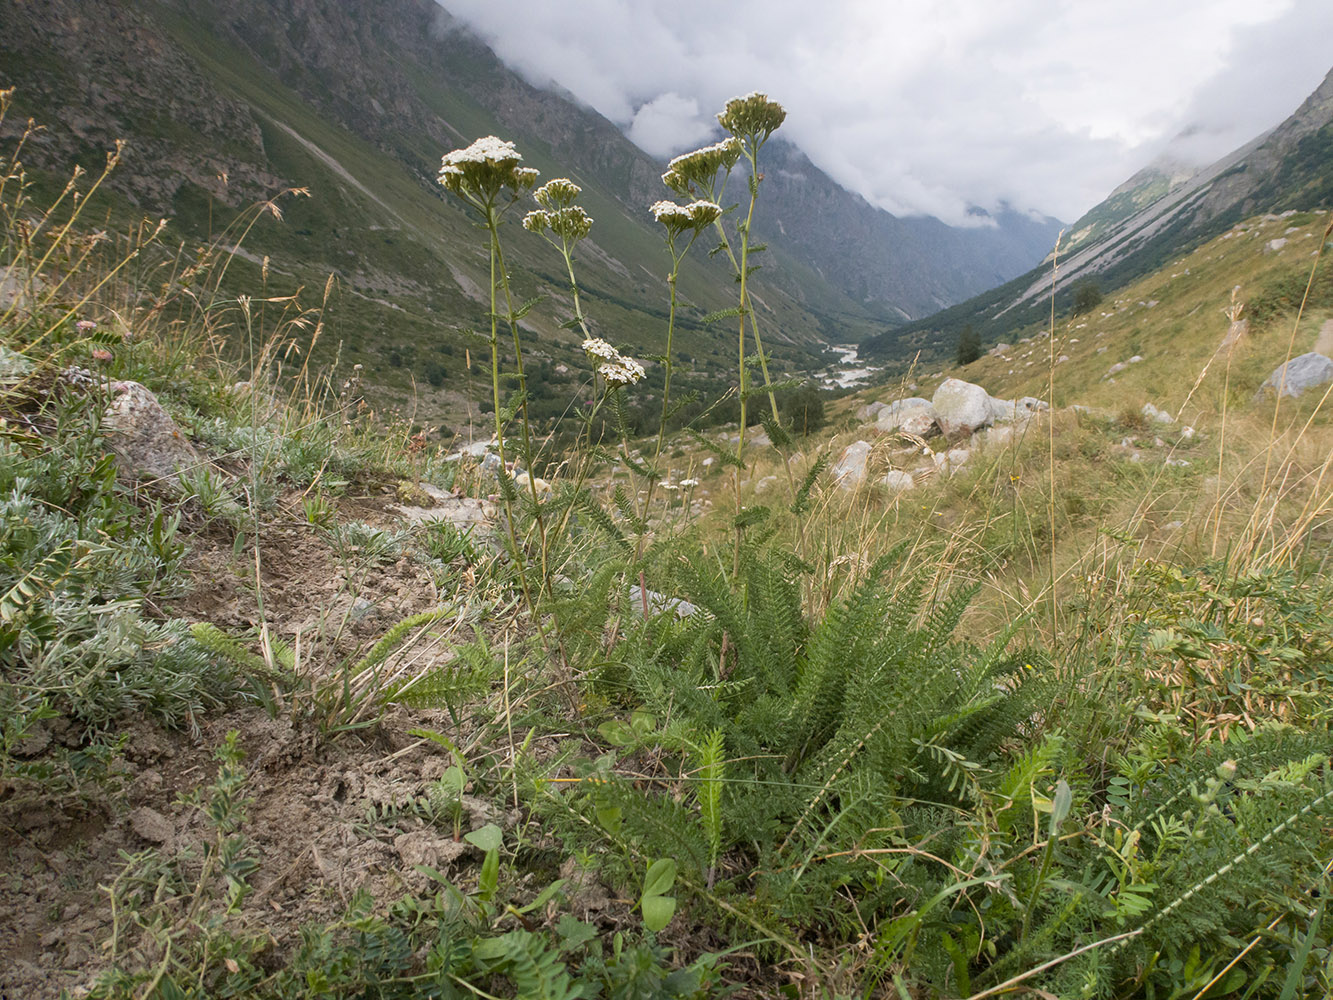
<point x="557" y="193"/>
<point x="615" y="367"/>
<point x="596" y="348"/>
<point x="626" y="371"/>
<point x="677" y="218"/>
<point x="689" y="483"/>
<point x="485" y="167"/>
<point x="570" y="223"/>
<point x="700" y="167"/>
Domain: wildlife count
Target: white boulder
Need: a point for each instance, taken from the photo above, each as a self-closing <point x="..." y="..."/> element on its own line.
<point x="961" y="407"/>
<point x="849" y="471"/>
<point x="898" y="481"/>
<point x="912" y="415"/>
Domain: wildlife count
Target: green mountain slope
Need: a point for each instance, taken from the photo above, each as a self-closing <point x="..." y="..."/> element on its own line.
<point x="224" y="103"/>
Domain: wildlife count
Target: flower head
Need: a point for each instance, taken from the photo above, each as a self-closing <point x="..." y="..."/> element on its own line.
<point x="752" y="117"/>
<point x="697" y="215"/>
<point x="86" y="325"/>
<point x="615" y="367"/>
<point x="558" y="213"/>
<point x="537" y="221"/>
<point x="556" y="194"/>
<point x="482" y="169"/>
<point x="570" y="224"/>
<point x="598" y="349"/>
<point x="625" y="371"/>
<point x="700" y="167"/>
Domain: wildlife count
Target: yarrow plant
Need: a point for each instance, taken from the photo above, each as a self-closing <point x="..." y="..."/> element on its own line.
<point x="480" y="172"/>
<point x="613" y="366"/>
<point x="698" y="170"/>
<point x="703" y="174"/>
<point x="489" y="177"/>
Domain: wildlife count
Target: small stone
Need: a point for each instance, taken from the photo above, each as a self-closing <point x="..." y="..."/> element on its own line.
<point x="422" y="847"/>
<point x="151" y="825"/>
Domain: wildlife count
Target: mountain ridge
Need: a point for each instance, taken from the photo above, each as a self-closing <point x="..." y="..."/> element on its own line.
<point x="1155" y="215"/>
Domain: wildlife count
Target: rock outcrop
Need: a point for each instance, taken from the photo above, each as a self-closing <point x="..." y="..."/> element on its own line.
<point x="147" y="443"/>
<point x="1298" y="375"/>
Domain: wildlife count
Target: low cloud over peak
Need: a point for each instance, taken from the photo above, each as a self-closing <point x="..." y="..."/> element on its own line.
<point x="925" y="109"/>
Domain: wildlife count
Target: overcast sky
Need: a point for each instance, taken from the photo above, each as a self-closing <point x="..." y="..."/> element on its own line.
<point x="927" y="106"/>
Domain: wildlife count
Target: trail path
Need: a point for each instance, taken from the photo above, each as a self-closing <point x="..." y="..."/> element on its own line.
<point x="1324" y="343"/>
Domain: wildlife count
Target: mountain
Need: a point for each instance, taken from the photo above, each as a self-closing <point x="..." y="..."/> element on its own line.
<point x="910" y="266"/>
<point x="1163" y="211"/>
<point x="225" y="103"/>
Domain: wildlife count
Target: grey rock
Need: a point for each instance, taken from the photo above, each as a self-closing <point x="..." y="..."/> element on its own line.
<point x="951" y="460"/>
<point x="424" y="847"/>
<point x="1156" y="415"/>
<point x="913" y="415"/>
<point x="147" y="443"/>
<point x="898" y="481"/>
<point x="849" y="471"/>
<point x="659" y="603"/>
<point x="464" y="513"/>
<point x="15" y="286"/>
<point x="961" y="407"/>
<point x="1299" y="374"/>
<point x="151" y="825"/>
<point x="491" y="464"/>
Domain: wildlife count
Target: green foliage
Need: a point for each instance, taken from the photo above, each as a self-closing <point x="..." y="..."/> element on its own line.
<point x="969" y="345"/>
<point x="1283" y="294"/>
<point x="1087" y="297"/>
<point x="182" y="935"/>
<point x="79" y="560"/>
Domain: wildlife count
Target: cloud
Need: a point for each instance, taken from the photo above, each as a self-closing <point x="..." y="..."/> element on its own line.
<point x="924" y="107"/>
<point x="668" y="124"/>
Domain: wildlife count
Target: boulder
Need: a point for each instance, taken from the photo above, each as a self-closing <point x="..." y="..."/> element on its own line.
<point x="540" y="484"/>
<point x="898" y="481"/>
<point x="961" y="407"/>
<point x="1157" y="416"/>
<point x="870" y="411"/>
<point x="19" y="289"/>
<point x="1299" y="374"/>
<point x="147" y="443"/>
<point x="849" y="471"/>
<point x="913" y="415"/>
<point x="949" y="461"/>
